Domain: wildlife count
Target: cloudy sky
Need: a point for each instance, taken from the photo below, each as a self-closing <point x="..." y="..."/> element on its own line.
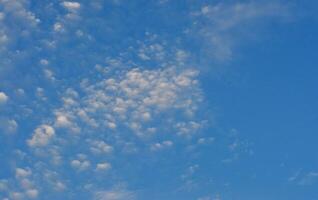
<point x="158" y="99"/>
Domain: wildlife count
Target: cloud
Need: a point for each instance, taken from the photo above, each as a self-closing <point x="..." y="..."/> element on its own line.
<point x="103" y="166"/>
<point x="24" y="20"/>
<point x="73" y="9"/>
<point x="71" y="5"/>
<point x="18" y="10"/>
<point x="309" y="179"/>
<point x="22" y="173"/>
<point x="163" y="145"/>
<point x="304" y="179"/>
<point x="8" y="125"/>
<point x="227" y="24"/>
<point x="41" y="136"/>
<point x="100" y="147"/>
<point x="3" y="98"/>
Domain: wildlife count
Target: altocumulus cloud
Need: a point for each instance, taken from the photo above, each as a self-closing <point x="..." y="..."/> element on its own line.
<point x="144" y="100"/>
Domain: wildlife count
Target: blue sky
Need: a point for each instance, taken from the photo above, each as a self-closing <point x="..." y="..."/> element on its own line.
<point x="158" y="99"/>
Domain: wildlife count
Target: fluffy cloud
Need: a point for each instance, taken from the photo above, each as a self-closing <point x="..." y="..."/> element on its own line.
<point x="73" y="9"/>
<point x="103" y="166"/>
<point x="3" y="98"/>
<point x="71" y="5"/>
<point x="41" y="136"/>
<point x="22" y="173"/>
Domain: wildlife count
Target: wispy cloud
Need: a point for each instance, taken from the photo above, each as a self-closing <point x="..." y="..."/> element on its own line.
<point x="116" y="193"/>
<point x="223" y="26"/>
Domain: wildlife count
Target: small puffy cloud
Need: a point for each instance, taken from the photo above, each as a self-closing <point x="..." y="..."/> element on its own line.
<point x="64" y="120"/>
<point x="202" y="141"/>
<point x="103" y="166"/>
<point x="41" y="136"/>
<point x="44" y="62"/>
<point x="49" y="74"/>
<point x="3" y="98"/>
<point x="71" y="6"/>
<point x="81" y="164"/>
<point x="58" y="27"/>
<point x="22" y="173"/>
<point x="100" y="147"/>
<point x="59" y="186"/>
<point x="163" y="145"/>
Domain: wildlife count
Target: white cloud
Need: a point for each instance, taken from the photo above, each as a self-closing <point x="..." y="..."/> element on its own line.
<point x="103" y="166"/>
<point x="81" y="164"/>
<point x="58" y="27"/>
<point x="41" y="136"/>
<point x="3" y="98"/>
<point x="162" y="145"/>
<point x="22" y="173"/>
<point x="63" y="120"/>
<point x="99" y="147"/>
<point x="71" y="5"/>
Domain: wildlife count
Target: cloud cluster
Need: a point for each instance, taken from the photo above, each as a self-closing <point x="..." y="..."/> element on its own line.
<point x="25" y="189"/>
<point x="138" y="100"/>
<point x="24" y="21"/>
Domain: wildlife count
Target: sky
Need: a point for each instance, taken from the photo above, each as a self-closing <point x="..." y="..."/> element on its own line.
<point x="158" y="99"/>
